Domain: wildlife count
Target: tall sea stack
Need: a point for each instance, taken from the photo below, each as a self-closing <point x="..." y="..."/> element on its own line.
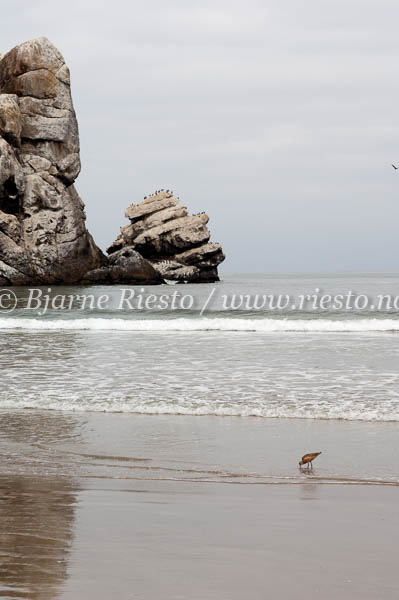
<point x="43" y="237"/>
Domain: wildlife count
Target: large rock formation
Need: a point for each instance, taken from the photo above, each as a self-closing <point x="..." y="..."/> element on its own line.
<point x="175" y="243"/>
<point x="43" y="238"/>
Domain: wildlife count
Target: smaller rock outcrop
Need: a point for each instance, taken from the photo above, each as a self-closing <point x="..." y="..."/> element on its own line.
<point x="175" y="243"/>
<point x="126" y="267"/>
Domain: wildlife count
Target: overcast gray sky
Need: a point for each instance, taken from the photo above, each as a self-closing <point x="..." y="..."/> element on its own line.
<point x="278" y="118"/>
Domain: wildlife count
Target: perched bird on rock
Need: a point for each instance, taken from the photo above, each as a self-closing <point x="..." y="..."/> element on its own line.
<point x="308" y="459"/>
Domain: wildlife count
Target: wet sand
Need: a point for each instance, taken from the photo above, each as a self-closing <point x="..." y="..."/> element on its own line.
<point x="194" y="541"/>
<point x="93" y="506"/>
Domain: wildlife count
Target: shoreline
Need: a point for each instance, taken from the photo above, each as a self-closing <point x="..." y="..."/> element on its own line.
<point x="6" y="409"/>
<point x="248" y="450"/>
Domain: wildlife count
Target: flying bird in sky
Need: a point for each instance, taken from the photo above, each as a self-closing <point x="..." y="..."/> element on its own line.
<point x="396" y="168"/>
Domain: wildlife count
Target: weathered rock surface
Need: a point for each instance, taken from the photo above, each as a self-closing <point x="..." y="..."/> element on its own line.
<point x="174" y="242"/>
<point x="125" y="266"/>
<point x="43" y="238"/>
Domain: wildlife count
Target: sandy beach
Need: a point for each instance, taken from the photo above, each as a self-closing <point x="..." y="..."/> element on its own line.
<point x="134" y="506"/>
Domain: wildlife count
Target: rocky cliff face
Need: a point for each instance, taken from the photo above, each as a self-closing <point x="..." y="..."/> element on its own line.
<point x="43" y="238"/>
<point x="175" y="243"/>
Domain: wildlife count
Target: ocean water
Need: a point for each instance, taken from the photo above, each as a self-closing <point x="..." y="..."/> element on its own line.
<point x="150" y="439"/>
<point x="207" y="349"/>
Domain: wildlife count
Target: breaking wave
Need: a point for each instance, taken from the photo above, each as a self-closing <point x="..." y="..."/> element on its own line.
<point x="205" y="324"/>
<point x="354" y="410"/>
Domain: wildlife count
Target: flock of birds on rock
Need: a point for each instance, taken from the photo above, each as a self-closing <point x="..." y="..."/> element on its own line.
<point x="158" y="192"/>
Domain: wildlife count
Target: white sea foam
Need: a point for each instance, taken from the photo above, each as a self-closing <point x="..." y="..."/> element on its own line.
<point x="204" y="324"/>
<point x="356" y="411"/>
